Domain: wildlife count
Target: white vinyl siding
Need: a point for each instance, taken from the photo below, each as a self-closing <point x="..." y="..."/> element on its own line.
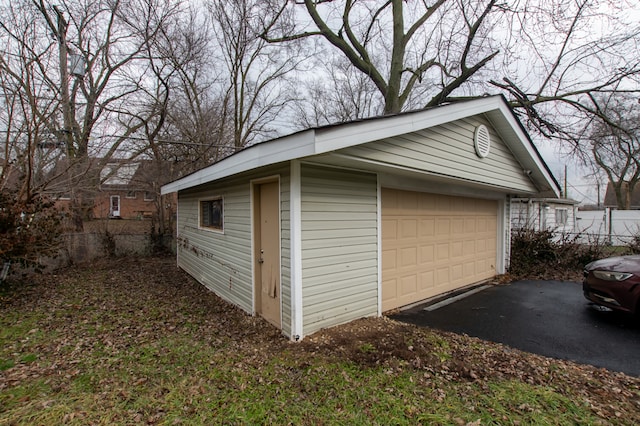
<point x="285" y="250"/>
<point x="339" y="246"/>
<point x="542" y="215"/>
<point x="222" y="261"/>
<point x="448" y="150"/>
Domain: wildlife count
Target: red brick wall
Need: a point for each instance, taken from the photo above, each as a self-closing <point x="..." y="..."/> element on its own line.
<point x="130" y="208"/>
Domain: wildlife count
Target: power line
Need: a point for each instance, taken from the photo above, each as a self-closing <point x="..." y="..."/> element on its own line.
<point x="582" y="194"/>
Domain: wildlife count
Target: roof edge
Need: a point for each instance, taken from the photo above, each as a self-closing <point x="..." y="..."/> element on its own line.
<point x="329" y="138"/>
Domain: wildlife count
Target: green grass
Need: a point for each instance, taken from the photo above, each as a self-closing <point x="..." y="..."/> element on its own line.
<point x="87" y="353"/>
<point x="178" y="380"/>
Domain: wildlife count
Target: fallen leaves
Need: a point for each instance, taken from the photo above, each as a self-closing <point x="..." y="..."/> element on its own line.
<point x="106" y="314"/>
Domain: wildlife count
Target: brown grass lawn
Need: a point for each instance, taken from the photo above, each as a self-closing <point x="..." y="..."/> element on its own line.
<point x="137" y="341"/>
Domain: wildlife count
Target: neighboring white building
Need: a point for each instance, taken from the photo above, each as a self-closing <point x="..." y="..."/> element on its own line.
<point x="555" y="214"/>
<point x="341" y="222"/>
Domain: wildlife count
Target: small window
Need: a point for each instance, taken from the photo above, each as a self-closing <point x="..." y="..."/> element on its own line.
<point x="149" y="196"/>
<point x="561" y="217"/>
<point x="131" y="194"/>
<point x="211" y="213"/>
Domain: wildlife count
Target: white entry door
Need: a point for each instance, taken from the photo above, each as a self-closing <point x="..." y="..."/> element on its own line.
<point x="114" y="206"/>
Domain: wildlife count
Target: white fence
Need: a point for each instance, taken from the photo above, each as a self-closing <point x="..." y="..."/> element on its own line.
<point x="617" y="227"/>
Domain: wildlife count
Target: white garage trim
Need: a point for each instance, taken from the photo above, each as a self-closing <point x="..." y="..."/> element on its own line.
<point x="296" y="250"/>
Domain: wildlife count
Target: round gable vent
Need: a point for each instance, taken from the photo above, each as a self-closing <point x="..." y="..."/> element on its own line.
<point x="482" y="141"/>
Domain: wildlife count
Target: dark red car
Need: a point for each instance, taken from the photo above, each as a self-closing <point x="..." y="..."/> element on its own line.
<point x="614" y="282"/>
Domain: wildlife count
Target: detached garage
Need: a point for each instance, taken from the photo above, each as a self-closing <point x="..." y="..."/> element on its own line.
<point x="340" y="222"/>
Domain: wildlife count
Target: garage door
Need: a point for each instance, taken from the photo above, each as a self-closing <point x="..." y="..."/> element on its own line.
<point x="432" y="244"/>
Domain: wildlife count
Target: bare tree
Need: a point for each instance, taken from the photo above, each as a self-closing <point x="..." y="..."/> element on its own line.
<point x="615" y="146"/>
<point x="550" y="59"/>
<point x="570" y="53"/>
<point x="183" y="129"/>
<point x="337" y="93"/>
<point x="257" y="71"/>
<point x="85" y="59"/>
<point x="28" y="106"/>
<point x="184" y="96"/>
<point x="435" y="53"/>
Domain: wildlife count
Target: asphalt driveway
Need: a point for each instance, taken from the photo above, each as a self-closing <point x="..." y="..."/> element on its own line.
<point x="549" y="318"/>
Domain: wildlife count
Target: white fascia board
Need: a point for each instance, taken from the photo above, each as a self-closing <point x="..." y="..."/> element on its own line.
<point x="525" y="151"/>
<point x="286" y="148"/>
<point x="565" y="201"/>
<point x="344" y="136"/>
<point x="333" y="138"/>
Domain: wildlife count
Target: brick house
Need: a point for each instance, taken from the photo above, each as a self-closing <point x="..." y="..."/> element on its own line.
<point x="126" y="190"/>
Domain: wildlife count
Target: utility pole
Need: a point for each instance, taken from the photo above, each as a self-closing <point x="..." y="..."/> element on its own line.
<point x="64" y="82"/>
<point x="68" y="118"/>
<point x="565" y="182"/>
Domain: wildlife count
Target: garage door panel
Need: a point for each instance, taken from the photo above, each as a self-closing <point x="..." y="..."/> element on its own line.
<point x="389" y="230"/>
<point x="443" y="227"/>
<point x="443" y="252"/>
<point x="434" y="244"/>
<point x="408" y="202"/>
<point x="427" y="253"/>
<point x="470" y="225"/>
<point x="457" y="272"/>
<point x="457" y="226"/>
<point x="409" y="257"/>
<point x="408" y="285"/>
<point x="390" y="294"/>
<point x="469" y="268"/>
<point x="442" y="275"/>
<point x="427" y="227"/>
<point x="389" y="260"/>
<point x="408" y="228"/>
<point x="426" y="281"/>
<point x="457" y="249"/>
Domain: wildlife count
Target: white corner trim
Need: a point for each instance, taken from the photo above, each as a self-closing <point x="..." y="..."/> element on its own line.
<point x="502" y="225"/>
<point x="379" y="220"/>
<point x="295" y="212"/>
<point x="252" y="220"/>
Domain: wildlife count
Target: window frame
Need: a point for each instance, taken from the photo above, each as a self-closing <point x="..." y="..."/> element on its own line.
<point x="212" y="227"/>
<point x="561" y="213"/>
<point x="131" y="195"/>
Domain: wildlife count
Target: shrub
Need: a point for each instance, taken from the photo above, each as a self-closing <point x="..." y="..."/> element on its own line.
<point x="29" y="229"/>
<point x="545" y="254"/>
<point x="634" y="244"/>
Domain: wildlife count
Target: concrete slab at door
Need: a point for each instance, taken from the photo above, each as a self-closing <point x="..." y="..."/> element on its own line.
<point x="267" y="244"/>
